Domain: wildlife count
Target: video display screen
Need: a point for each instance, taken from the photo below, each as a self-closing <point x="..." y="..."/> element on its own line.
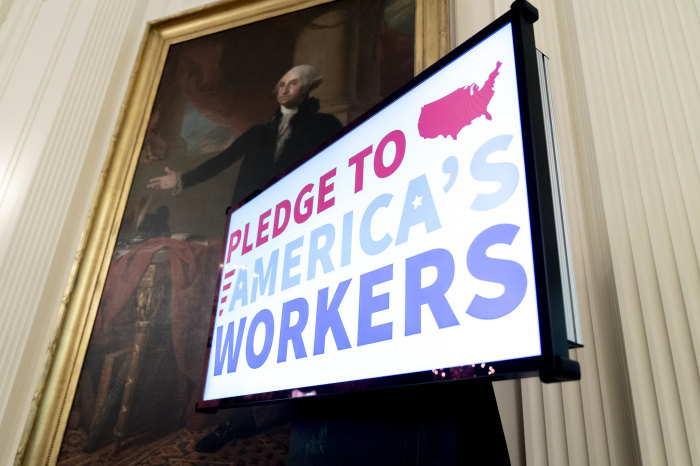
<point x="404" y="247"/>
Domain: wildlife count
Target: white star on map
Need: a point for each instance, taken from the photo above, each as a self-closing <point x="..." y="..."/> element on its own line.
<point x="417" y="202"/>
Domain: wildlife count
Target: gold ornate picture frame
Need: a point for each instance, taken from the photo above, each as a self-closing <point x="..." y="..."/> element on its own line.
<point x="52" y="403"/>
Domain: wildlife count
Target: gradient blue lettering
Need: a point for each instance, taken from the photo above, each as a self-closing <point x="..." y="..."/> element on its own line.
<point x="231" y="354"/>
<point x="319" y="253"/>
<point x="264" y="278"/>
<point x="509" y="273"/>
<point x="264" y="318"/>
<point x="328" y="318"/>
<point x="240" y="289"/>
<point x="291" y="260"/>
<point x="504" y="172"/>
<point x="369" y="304"/>
<point x="346" y="246"/>
<point x="433" y="295"/>
<point x="417" y="208"/>
<point x="293" y="333"/>
<point x="369" y="245"/>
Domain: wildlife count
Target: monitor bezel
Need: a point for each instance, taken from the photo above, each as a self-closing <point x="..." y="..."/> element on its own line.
<point x="553" y="364"/>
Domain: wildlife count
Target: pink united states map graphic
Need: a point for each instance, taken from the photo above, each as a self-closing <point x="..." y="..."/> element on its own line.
<point x="448" y="115"/>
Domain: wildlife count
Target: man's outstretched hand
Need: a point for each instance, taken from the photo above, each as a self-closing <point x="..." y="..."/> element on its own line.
<point x="167" y="181"/>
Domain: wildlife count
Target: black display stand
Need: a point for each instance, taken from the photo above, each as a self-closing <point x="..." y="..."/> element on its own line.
<point x="453" y="423"/>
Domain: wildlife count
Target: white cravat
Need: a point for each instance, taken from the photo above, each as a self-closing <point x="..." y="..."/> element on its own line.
<point x="284" y="130"/>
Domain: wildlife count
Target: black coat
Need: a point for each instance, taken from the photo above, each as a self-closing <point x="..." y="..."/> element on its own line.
<point x="309" y="129"/>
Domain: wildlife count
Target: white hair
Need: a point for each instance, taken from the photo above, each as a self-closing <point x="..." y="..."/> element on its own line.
<point x="310" y="75"/>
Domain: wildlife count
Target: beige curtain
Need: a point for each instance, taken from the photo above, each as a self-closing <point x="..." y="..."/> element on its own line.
<point x="626" y="78"/>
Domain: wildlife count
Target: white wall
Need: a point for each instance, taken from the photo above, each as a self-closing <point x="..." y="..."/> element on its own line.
<point x="627" y="90"/>
<point x="64" y="70"/>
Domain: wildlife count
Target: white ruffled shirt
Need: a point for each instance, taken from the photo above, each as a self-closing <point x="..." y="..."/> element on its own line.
<point x="284" y="130"/>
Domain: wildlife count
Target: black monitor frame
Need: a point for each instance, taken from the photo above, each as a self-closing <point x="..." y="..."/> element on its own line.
<point x="553" y="365"/>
